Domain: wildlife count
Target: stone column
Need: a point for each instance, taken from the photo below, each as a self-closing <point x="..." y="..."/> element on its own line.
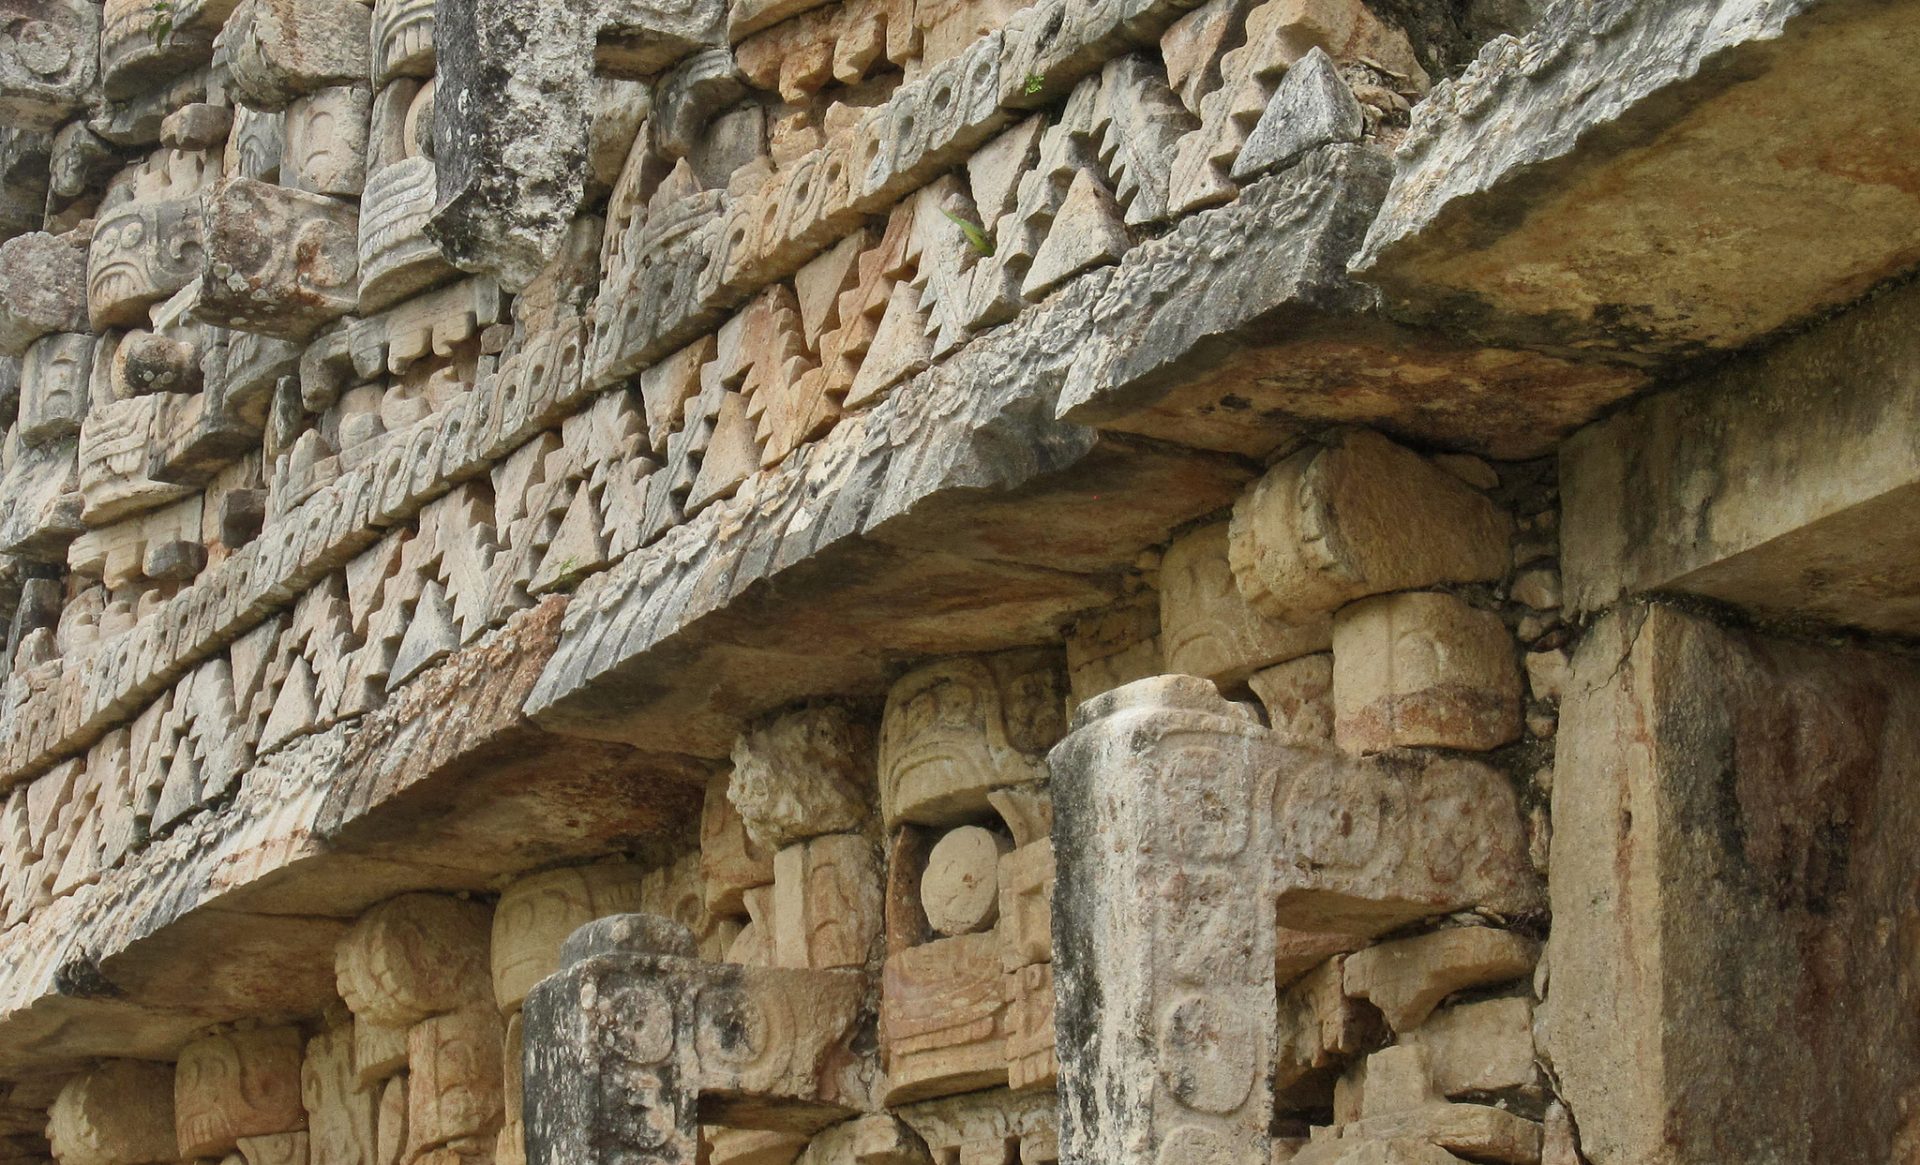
<point x="1163" y="928"/>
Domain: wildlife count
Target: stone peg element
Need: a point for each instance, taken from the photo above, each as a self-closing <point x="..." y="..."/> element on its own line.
<point x="960" y="889"/>
<point x="234" y="1085"/>
<point x="803" y="774"/>
<point x="635" y="1043"/>
<point x="730" y="863"/>
<point x="278" y="262"/>
<point x="536" y="914"/>
<point x="513" y="126"/>
<point x="1364" y="846"/>
<point x="281" y="49"/>
<point x="413" y="957"/>
<point x="1423" y="669"/>
<point x="1312" y="107"/>
<point x="1208" y="629"/>
<point x="43" y="288"/>
<point x="827" y="902"/>
<point x="54" y="381"/>
<point x="50" y="70"/>
<point x="1359" y="517"/>
<point x="120" y="1113"/>
<point x="1163" y="951"/>
<point x="957" y="729"/>
<point x="1408" y="978"/>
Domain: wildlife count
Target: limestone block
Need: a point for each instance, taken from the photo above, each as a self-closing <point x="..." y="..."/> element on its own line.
<point x="1208" y="629"/>
<point x="1320" y="1027"/>
<point x="198" y="126"/>
<point x="1480" y="1049"/>
<point x="277" y="261"/>
<point x="454" y="1078"/>
<point x="415" y="956"/>
<point x="143" y="250"/>
<point x="1365" y="846"/>
<point x="325" y="141"/>
<point x="826" y="902"/>
<point x="1406" y="979"/>
<point x="240" y="1084"/>
<point x="1311" y="107"/>
<point x="280" y="49"/>
<point x="1423" y="669"/>
<point x="960" y="889"/>
<point x="802" y="774"/>
<point x="879" y="1139"/>
<point x="1295" y="952"/>
<point x="120" y="1113"/>
<point x="52" y="66"/>
<point x="1298" y="697"/>
<point x="40" y="503"/>
<point x="53" y="387"/>
<point x="956" y="730"/>
<point x="750" y="1147"/>
<point x="396" y="257"/>
<point x="1026" y="881"/>
<point x="943" y="1018"/>
<point x="43" y="288"/>
<point x="1335" y="523"/>
<point x="1399" y="1103"/>
<point x="537" y="913"/>
<point x="341" y="1113"/>
<point x="731" y="864"/>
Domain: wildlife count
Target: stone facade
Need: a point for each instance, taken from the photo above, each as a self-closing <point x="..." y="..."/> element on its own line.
<point x="959" y="582"/>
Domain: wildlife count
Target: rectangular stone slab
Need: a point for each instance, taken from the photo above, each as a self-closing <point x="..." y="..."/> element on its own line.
<point x="1651" y="181"/>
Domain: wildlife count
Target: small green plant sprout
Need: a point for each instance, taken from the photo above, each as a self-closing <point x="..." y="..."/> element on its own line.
<point x="162" y="27"/>
<point x="977" y="238"/>
<point x="1035" y="82"/>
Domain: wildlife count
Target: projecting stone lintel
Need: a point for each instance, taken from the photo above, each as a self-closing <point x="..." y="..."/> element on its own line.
<point x="1649" y="182"/>
<point x="1298" y="344"/>
<point x="409" y="798"/>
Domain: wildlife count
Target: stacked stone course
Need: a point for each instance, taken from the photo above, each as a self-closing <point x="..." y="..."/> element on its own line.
<point x="958" y="582"/>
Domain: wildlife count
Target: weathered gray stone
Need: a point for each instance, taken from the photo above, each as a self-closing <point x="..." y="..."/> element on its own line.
<point x="279" y="50"/>
<point x="632" y="1044"/>
<point x="515" y="116"/>
<point x="1312" y="107"/>
<point x="1609" y="154"/>
<point x="50" y="66"/>
<point x="803" y="774"/>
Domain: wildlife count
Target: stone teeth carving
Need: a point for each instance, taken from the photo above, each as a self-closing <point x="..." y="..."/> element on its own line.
<point x="240" y="1085"/>
<point x="954" y="731"/>
<point x="277" y="261"/>
<point x="402" y="39"/>
<point x="397" y="259"/>
<point x="135" y="58"/>
<point x="143" y="251"/>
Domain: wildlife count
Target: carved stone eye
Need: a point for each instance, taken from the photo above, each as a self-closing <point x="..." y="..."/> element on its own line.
<point x="133" y="234"/>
